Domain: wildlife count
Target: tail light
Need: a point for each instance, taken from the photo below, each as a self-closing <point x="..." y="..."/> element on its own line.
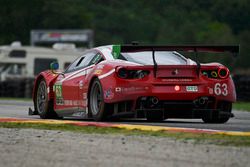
<point x="220" y="73"/>
<point x="131" y="74"/>
<point x="223" y="72"/>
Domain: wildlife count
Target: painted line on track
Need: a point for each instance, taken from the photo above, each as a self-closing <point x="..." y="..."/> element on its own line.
<point x="126" y="126"/>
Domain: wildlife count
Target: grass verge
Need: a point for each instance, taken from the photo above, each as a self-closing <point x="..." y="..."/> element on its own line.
<point x="15" y="98"/>
<point x="244" y="106"/>
<point x="197" y="138"/>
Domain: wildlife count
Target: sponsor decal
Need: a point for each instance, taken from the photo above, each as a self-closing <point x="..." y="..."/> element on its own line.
<point x="100" y="67"/>
<point x="210" y="90"/>
<point x="98" y="72"/>
<point x="177" y="80"/>
<point x="59" y="101"/>
<point x="71" y="102"/>
<point x="81" y="84"/>
<point x="58" y="91"/>
<point x="130" y="89"/>
<point x="192" y="88"/>
<point x="108" y="94"/>
<point x="85" y="96"/>
<point x="116" y="50"/>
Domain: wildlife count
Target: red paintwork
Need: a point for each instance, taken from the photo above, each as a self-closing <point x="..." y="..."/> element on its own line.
<point x="118" y="90"/>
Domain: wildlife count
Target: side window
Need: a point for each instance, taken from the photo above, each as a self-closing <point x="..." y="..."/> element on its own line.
<point x="81" y="62"/>
<point x="72" y="66"/>
<point x="96" y="59"/>
<point x="86" y="61"/>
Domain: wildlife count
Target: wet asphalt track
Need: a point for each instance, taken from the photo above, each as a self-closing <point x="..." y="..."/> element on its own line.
<point x="241" y="121"/>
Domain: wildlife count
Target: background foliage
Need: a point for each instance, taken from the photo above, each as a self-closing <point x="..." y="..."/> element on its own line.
<point x="146" y="21"/>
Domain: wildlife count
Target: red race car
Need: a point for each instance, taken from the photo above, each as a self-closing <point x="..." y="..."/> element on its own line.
<point x="134" y="81"/>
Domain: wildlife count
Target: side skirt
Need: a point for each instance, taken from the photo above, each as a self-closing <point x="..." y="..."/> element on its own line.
<point x="72" y="112"/>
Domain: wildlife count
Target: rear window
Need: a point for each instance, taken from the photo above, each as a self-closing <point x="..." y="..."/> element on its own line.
<point x="161" y="57"/>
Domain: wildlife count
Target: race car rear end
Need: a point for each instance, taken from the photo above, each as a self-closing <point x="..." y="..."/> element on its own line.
<point x="158" y="91"/>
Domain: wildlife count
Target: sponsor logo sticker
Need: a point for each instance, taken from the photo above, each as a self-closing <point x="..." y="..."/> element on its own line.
<point x="192" y="88"/>
<point x="58" y="91"/>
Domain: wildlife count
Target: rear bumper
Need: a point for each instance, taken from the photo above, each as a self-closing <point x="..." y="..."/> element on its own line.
<point x="117" y="90"/>
<point x="164" y="93"/>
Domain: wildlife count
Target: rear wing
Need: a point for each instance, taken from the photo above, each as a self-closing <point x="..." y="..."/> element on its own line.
<point x="234" y="49"/>
<point x="117" y="49"/>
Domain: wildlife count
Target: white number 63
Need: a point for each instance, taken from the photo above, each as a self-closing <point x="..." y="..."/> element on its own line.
<point x="221" y="89"/>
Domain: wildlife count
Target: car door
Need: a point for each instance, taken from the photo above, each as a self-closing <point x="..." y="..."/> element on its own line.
<point x="69" y="83"/>
<point x="90" y="64"/>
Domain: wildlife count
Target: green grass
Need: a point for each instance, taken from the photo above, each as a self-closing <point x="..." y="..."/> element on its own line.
<point x="224" y="140"/>
<point x="16" y="98"/>
<point x="244" y="106"/>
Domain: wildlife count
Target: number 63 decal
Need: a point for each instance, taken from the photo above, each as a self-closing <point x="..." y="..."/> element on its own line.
<point x="221" y="89"/>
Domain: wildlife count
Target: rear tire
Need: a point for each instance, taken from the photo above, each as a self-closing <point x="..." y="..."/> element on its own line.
<point x="155" y="116"/>
<point x="96" y="101"/>
<point x="43" y="106"/>
<point x="216" y="118"/>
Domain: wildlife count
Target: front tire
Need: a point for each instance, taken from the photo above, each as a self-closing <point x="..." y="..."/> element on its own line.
<point x="96" y="101"/>
<point x="43" y="106"/>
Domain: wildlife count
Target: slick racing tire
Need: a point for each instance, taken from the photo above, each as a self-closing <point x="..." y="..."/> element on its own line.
<point x="153" y="116"/>
<point x="96" y="101"/>
<point x="216" y="118"/>
<point x="43" y="106"/>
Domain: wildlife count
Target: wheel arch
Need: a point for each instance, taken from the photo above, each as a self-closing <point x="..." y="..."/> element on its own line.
<point x="90" y="83"/>
<point x="49" y="79"/>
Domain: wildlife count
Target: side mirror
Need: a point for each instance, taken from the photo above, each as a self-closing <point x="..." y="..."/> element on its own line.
<point x="54" y="66"/>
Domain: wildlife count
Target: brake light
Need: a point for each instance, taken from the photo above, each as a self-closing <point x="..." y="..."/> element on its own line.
<point x="122" y="73"/>
<point x="223" y="72"/>
<point x="220" y="73"/>
<point x="177" y="88"/>
<point x="131" y="74"/>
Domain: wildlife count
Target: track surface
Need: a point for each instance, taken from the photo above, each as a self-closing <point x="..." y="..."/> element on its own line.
<point x="241" y="121"/>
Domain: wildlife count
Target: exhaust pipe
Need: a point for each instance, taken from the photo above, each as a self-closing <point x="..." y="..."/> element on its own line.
<point x="201" y="101"/>
<point x="154" y="100"/>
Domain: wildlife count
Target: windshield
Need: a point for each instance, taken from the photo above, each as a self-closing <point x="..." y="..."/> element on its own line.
<point x="161" y="57"/>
